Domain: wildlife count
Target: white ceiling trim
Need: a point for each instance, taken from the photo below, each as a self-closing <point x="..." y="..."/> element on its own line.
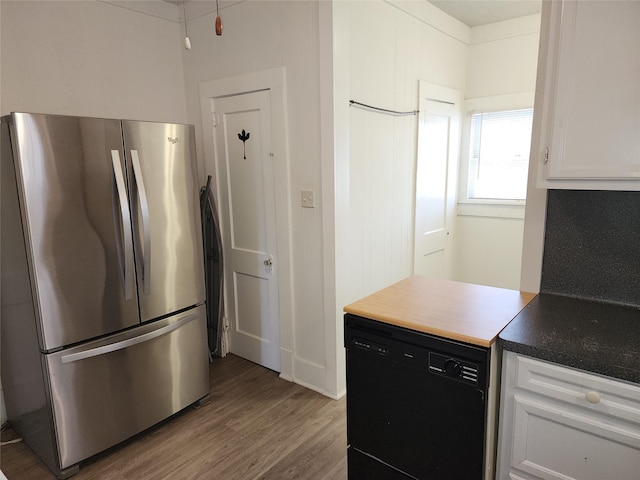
<point x="432" y="16"/>
<point x="173" y="10"/>
<point x="483" y="12"/>
<point x="469" y="12"/>
<point x="164" y="10"/>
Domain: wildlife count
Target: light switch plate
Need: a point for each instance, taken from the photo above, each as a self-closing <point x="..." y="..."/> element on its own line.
<point x="307" y="198"/>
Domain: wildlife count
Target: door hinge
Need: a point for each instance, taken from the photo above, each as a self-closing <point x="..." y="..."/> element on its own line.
<point x="214" y="119"/>
<point x="546" y="156"/>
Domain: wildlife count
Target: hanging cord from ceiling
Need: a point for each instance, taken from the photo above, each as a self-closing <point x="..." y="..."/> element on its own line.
<point x="353" y="103"/>
<point x="218" y="21"/>
<point x="187" y="42"/>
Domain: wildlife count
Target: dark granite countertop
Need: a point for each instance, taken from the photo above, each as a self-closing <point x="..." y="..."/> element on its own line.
<point x="593" y="336"/>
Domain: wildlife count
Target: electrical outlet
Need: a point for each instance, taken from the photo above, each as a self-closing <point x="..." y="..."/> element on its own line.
<point x="308" y="199"/>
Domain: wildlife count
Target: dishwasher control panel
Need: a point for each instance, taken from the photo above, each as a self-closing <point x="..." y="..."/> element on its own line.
<point x="454" y="368"/>
<point x="371" y="346"/>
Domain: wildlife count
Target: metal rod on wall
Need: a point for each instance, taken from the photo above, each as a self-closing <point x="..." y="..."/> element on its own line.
<point x="382" y="110"/>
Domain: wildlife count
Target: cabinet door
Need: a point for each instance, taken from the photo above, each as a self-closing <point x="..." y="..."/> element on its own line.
<point x="547" y="432"/>
<point x="593" y="81"/>
<point x="558" y="442"/>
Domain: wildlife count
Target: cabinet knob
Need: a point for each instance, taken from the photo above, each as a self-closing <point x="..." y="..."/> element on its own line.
<point x="592" y="397"/>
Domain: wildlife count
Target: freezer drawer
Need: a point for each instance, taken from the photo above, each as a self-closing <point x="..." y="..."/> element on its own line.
<point x="107" y="391"/>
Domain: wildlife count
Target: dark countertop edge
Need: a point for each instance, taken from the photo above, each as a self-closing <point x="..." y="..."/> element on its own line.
<point x="568" y="360"/>
<point x="527" y="333"/>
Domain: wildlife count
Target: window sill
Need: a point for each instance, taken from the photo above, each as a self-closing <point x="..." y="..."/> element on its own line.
<point x="495" y="210"/>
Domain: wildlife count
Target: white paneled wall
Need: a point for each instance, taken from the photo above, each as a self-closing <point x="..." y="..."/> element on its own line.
<point x="382" y="49"/>
<point x="503" y="57"/>
<point x="381" y="186"/>
<point x="502" y="63"/>
<point x="383" y="52"/>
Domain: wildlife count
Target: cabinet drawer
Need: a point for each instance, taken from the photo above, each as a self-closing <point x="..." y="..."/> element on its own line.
<point x="610" y="397"/>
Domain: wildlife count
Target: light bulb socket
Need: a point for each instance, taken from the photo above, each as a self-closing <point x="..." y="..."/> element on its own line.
<point x="218" y="26"/>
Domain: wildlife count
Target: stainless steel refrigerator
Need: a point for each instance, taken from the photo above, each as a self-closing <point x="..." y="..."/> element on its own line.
<point x="103" y="316"/>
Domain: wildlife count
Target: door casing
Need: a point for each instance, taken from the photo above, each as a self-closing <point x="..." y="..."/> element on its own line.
<point x="272" y="80"/>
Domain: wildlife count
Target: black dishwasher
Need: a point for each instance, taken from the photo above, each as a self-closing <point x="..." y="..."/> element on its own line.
<point x="416" y="404"/>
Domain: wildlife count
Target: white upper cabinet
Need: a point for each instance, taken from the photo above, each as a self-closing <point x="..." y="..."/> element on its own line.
<point x="588" y="96"/>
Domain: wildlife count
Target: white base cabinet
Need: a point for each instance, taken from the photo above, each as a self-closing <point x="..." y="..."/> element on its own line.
<point x="559" y="423"/>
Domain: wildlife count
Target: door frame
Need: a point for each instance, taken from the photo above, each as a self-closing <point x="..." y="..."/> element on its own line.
<point x="272" y="80"/>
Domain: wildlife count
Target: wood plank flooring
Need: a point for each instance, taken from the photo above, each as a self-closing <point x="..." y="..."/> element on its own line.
<point x="257" y="427"/>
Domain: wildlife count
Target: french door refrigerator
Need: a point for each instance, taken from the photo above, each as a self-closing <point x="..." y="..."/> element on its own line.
<point x="103" y="317"/>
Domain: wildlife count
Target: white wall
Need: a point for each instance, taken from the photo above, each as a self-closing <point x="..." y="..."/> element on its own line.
<point x="503" y="57"/>
<point x="381" y="54"/>
<point x="90" y="58"/>
<point x="259" y="36"/>
<point x="501" y="71"/>
<point x="381" y="51"/>
<point x="111" y="60"/>
<point x="63" y="57"/>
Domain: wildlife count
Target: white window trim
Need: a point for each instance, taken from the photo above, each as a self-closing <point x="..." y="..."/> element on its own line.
<point x="493" y="210"/>
<point x="493" y="207"/>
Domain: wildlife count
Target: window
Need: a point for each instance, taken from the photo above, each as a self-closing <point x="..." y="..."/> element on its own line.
<point x="499" y="155"/>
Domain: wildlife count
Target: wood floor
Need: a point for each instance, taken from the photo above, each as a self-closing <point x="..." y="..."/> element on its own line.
<point x="257" y="426"/>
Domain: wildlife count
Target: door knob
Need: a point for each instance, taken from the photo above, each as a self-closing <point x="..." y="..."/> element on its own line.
<point x="268" y="264"/>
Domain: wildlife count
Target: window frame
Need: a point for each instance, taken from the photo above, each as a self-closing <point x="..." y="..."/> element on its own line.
<point x="486" y="105"/>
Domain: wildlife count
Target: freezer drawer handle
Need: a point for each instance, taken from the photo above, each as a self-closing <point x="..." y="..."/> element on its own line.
<point x="125" y="270"/>
<point x="144" y="208"/>
<point x="112" y="347"/>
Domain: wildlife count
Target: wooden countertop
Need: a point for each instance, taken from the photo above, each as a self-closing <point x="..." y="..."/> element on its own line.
<point x="461" y="311"/>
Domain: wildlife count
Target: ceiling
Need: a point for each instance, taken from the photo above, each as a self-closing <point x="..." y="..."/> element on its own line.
<point x="470" y="12"/>
<point x="481" y="12"/>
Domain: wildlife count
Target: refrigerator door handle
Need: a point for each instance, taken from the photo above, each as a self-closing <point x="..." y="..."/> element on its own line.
<point x="112" y="347"/>
<point x="127" y="262"/>
<point x="146" y="231"/>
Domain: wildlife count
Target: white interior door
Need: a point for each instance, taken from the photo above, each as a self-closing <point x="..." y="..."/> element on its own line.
<point x="244" y="164"/>
<point x="436" y="176"/>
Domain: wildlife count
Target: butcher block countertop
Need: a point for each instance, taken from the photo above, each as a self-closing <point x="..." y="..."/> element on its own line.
<point x="469" y="313"/>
